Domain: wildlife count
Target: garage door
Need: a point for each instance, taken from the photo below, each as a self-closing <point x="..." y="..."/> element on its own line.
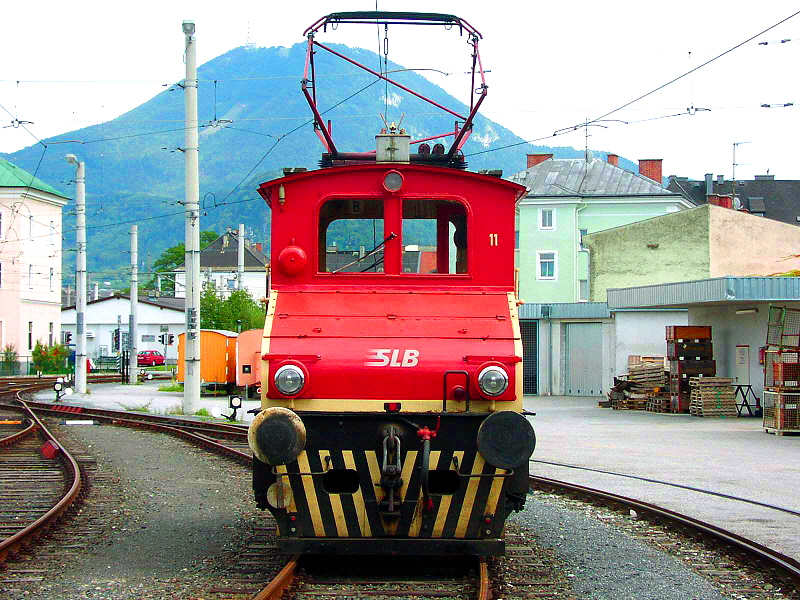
<point x="583" y="358"/>
<point x="530" y="356"/>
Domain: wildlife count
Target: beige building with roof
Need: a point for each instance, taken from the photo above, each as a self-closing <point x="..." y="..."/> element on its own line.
<point x="30" y="261"/>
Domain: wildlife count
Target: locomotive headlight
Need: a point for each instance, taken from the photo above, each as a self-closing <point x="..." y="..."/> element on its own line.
<point x="289" y="380"/>
<point x="493" y="381"/>
<point x="393" y="181"/>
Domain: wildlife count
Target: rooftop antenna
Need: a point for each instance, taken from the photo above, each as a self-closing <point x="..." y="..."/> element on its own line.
<point x="733" y="175"/>
<point x="248" y="43"/>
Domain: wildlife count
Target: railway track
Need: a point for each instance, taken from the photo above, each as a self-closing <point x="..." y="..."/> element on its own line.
<point x="507" y="577"/>
<point x="306" y="577"/>
<point x="40" y="481"/>
<point x="742" y="552"/>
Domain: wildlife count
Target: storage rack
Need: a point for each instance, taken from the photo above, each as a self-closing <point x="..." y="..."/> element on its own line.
<point x="781" y="398"/>
<point x="691" y="354"/>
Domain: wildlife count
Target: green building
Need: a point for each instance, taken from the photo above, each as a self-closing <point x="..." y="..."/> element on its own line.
<point x="569" y="198"/>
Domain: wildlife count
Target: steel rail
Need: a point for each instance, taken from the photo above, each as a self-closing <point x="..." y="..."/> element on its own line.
<point x="281" y="582"/>
<point x="484" y="584"/>
<point x="26" y="536"/>
<point x="781" y="562"/>
<point x="221" y="429"/>
<point x="20" y="435"/>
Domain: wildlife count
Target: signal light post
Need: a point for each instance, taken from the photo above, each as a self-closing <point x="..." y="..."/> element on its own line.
<point x="80" y="272"/>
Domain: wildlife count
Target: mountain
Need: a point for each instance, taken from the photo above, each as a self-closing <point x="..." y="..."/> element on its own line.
<point x="134" y="166"/>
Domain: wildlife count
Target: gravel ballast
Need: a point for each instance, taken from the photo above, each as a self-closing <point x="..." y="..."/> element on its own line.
<point x="186" y="515"/>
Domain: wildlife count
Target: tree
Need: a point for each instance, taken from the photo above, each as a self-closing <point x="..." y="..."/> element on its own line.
<point x="173" y="257"/>
<point x="217" y="312"/>
<point x="9" y="365"/>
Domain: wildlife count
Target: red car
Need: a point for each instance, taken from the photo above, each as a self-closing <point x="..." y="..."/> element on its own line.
<point x="150" y="358"/>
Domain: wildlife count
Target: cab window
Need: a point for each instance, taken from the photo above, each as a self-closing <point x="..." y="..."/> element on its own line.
<point x="434" y="237"/>
<point x="349" y="230"/>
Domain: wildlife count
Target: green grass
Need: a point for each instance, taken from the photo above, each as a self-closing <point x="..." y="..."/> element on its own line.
<point x="171" y="387"/>
<point x="203" y="413"/>
<point x="143" y="408"/>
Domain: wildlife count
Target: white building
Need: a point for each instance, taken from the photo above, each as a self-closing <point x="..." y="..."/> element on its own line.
<point x="219" y="267"/>
<point x="105" y="315"/>
<point x="30" y="260"/>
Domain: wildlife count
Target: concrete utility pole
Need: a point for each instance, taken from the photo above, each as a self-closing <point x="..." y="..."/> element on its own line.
<point x="133" y="322"/>
<point x="191" y="385"/>
<point x="240" y="270"/>
<point x="80" y="273"/>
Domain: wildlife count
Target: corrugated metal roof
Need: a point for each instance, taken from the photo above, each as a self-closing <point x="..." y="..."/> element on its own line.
<point x="565" y="310"/>
<point x="707" y="291"/>
<point x="576" y="177"/>
<point x="12" y="176"/>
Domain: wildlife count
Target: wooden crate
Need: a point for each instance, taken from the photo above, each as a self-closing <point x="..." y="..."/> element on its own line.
<point x="691" y="350"/>
<point x="688" y="332"/>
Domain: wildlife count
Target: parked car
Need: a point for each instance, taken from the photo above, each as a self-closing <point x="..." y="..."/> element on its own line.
<point x="150" y="358"/>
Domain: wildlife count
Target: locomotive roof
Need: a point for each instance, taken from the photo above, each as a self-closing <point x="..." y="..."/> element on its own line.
<point x="405" y="167"/>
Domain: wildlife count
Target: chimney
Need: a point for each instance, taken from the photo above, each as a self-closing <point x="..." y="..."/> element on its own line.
<point x="651" y="168"/>
<point x="613" y="159"/>
<point x="535" y="159"/>
<point x="258" y="246"/>
<point x="709" y="184"/>
<point x="720" y="179"/>
<point x="96" y="292"/>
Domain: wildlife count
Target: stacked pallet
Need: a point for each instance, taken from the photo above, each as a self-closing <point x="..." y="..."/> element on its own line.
<point x="691" y="354"/>
<point x="648" y="376"/>
<point x="712" y="397"/>
<point x="781" y="405"/>
<point x="630" y="401"/>
<point x="659" y="403"/>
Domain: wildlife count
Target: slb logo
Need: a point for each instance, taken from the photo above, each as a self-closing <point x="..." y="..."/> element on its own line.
<point x="390" y="357"/>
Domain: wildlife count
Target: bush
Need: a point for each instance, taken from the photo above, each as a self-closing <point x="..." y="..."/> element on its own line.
<point x="50" y="359"/>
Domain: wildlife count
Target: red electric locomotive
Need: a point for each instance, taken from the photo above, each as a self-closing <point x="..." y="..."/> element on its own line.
<point x="392" y="417"/>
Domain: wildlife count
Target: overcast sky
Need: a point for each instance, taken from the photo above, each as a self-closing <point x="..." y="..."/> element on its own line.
<point x="554" y="64"/>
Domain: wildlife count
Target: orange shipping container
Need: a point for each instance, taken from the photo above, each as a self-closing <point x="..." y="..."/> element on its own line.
<point x="217" y="356"/>
<point x="248" y="357"/>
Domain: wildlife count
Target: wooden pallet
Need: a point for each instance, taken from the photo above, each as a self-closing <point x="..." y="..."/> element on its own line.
<point x="712" y="397"/>
<point x="659" y="404"/>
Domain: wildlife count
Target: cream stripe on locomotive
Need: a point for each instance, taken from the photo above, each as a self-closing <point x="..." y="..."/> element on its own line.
<point x="336" y="503"/>
<point x="311" y="495"/>
<point x="358" y="498"/>
<point x="416" y="524"/>
<point x="469" y="497"/>
<point x="444" y="503"/>
<point x="462" y="509"/>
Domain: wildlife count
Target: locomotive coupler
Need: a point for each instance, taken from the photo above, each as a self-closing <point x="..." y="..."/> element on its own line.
<point x="391" y="471"/>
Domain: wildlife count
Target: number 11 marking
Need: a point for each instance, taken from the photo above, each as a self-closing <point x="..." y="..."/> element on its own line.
<point x="493" y="239"/>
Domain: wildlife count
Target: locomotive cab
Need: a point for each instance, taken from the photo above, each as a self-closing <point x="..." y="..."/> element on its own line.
<point x="393" y="376"/>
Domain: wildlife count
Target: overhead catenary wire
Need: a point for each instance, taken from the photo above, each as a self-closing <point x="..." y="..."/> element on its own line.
<point x="653" y="91"/>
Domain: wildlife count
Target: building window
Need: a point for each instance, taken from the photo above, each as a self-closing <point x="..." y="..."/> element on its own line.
<point x="547" y="265"/>
<point x="547" y="219"/>
<point x="30" y="277"/>
<point x="30" y="226"/>
<point x="51" y="279"/>
<point x="231" y="284"/>
<point x="50" y="335"/>
<point x="583" y="290"/>
<point x="30" y="335"/>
